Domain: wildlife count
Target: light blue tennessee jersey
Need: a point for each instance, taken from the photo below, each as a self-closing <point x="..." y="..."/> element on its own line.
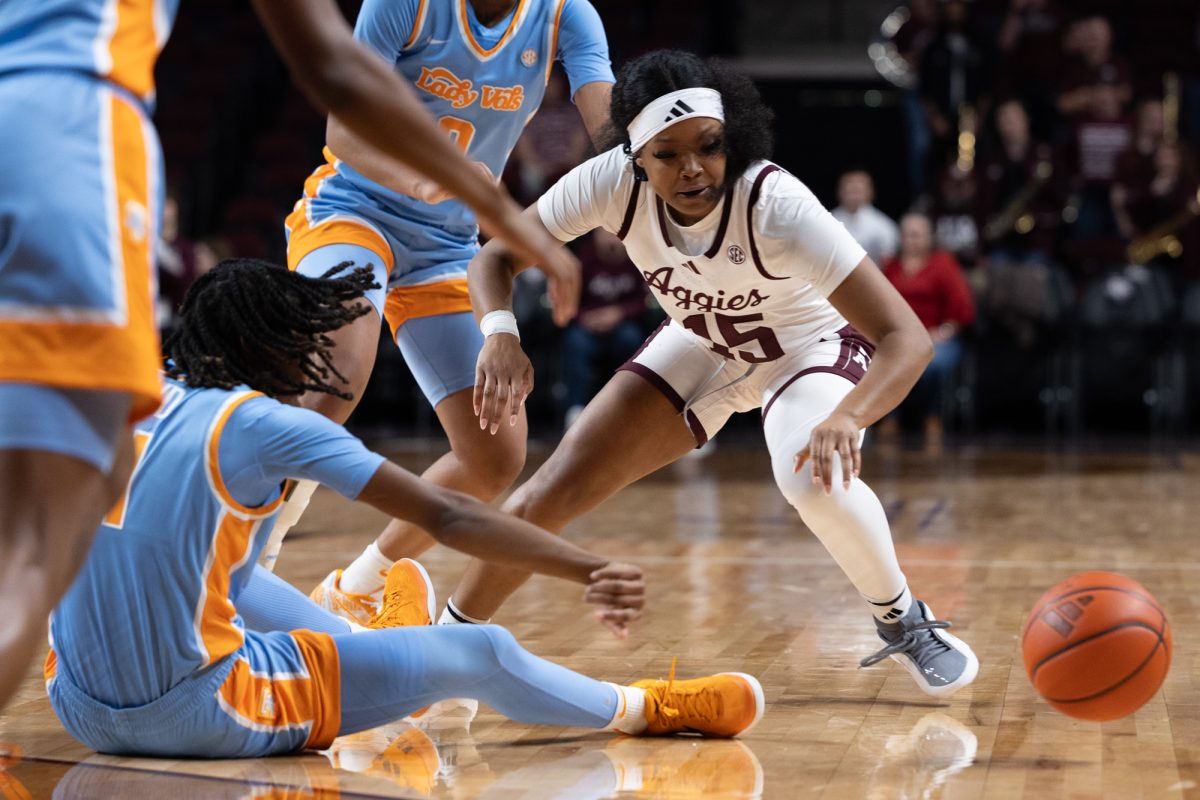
<point x="482" y="85"/>
<point x="117" y="40"/>
<point x="174" y="553"/>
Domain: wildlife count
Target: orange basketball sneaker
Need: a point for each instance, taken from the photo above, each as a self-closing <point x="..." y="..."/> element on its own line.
<point x="725" y="704"/>
<point x="408" y="597"/>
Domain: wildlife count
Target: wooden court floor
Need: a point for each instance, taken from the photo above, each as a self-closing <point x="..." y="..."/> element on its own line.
<point x="738" y="584"/>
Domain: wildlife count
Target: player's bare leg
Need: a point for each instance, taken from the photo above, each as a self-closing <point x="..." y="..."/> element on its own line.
<point x="478" y="464"/>
<point x="628" y="431"/>
<point x="354" y="357"/>
<point x="50" y="506"/>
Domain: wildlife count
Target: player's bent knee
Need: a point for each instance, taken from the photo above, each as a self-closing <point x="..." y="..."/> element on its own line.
<point x="800" y="491"/>
<point x="494" y="472"/>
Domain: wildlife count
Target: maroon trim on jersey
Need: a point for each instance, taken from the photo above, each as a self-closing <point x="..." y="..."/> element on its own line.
<point x="725" y="212"/>
<point x="662" y="220"/>
<point x="655" y="380"/>
<point x="698" y="432"/>
<point x="854" y="334"/>
<point x="755" y="191"/>
<point x="846" y="366"/>
<point x="630" y="210"/>
<point x="722" y="226"/>
<point x="660" y="383"/>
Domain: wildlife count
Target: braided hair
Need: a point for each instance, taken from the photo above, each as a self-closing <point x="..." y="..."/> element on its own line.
<point x="251" y="322"/>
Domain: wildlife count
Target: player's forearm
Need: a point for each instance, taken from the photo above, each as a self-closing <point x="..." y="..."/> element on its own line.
<point x="478" y="530"/>
<point x="370" y="162"/>
<point x="900" y="358"/>
<point x="490" y="279"/>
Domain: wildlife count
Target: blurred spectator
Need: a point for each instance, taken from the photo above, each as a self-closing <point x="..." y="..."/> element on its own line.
<point x="1029" y="49"/>
<point x="1090" y="161"/>
<point x="554" y="141"/>
<point x="952" y="73"/>
<point x="1089" y="65"/>
<point x="873" y="229"/>
<point x="180" y="262"/>
<point x="1135" y="164"/>
<point x="1159" y="214"/>
<point x="910" y="41"/>
<point x="933" y="284"/>
<point x="1017" y="211"/>
<point x="953" y="214"/>
<point x="609" y="326"/>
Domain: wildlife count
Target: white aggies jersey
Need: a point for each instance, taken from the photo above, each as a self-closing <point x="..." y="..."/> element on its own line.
<point x="751" y="278"/>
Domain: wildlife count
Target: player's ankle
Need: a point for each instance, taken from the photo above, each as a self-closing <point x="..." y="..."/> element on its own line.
<point x="451" y="615"/>
<point x="367" y="573"/>
<point x="630" y="714"/>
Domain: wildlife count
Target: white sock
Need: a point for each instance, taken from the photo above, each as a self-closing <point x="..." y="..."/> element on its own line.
<point x="452" y="616"/>
<point x="368" y="572"/>
<point x="630" y="716"/>
<point x="892" y="610"/>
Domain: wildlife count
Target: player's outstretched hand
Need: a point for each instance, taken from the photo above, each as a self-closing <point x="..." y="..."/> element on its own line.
<point x="503" y="379"/>
<point x="620" y="592"/>
<point x="837" y="434"/>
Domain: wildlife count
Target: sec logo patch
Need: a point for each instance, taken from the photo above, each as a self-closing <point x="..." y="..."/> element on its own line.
<point x="529" y="57"/>
<point x="736" y="254"/>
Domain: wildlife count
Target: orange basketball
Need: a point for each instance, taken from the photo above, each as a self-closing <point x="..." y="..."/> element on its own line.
<point x="1097" y="646"/>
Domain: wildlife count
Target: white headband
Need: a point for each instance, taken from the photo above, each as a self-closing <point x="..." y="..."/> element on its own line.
<point x="675" y="107"/>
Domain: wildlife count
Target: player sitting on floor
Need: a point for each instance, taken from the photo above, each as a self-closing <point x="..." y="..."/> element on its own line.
<point x="173" y="642"/>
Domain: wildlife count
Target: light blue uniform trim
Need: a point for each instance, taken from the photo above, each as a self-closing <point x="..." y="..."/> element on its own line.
<point x="72" y="422"/>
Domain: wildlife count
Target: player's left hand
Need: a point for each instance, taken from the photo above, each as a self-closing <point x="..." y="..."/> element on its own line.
<point x="620" y="592"/>
<point x="837" y="434"/>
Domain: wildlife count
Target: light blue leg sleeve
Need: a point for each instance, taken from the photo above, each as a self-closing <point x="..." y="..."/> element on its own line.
<point x="269" y="603"/>
<point x="388" y="674"/>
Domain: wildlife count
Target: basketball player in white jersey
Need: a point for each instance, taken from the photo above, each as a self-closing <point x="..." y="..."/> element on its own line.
<point x="767" y="295"/>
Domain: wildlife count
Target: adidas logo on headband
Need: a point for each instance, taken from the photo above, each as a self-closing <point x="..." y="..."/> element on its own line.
<point x="672" y="108"/>
<point x="678" y="110"/>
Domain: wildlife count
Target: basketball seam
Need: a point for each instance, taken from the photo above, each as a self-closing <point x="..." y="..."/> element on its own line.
<point x="1096" y="635"/>
<point x="1036" y="614"/>
<point x="1119" y="683"/>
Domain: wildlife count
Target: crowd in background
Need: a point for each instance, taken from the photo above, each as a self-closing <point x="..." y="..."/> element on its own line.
<point x="1050" y="244"/>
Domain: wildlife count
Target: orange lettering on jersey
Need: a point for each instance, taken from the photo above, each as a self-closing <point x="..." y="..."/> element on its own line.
<point x="503" y="98"/>
<point x="441" y="82"/>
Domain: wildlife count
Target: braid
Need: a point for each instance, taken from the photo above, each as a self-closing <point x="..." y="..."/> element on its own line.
<point x="254" y="323"/>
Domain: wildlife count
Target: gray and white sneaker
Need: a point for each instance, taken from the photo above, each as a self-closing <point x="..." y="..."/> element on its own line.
<point x="941" y="664"/>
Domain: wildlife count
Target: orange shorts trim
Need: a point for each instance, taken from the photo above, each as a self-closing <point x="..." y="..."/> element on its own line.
<point x="305" y="238"/>
<point x="324" y="668"/>
<point x="426" y="300"/>
<point x="95" y="355"/>
<point x="268" y="703"/>
<point x="50" y="667"/>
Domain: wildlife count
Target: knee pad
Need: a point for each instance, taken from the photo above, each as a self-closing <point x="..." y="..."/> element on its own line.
<point x="800" y="491"/>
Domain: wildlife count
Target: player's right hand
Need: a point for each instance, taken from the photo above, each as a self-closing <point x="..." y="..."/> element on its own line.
<point x="620" y="592"/>
<point x="503" y="379"/>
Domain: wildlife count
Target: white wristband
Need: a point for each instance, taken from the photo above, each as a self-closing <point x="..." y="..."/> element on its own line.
<point x="500" y="321"/>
